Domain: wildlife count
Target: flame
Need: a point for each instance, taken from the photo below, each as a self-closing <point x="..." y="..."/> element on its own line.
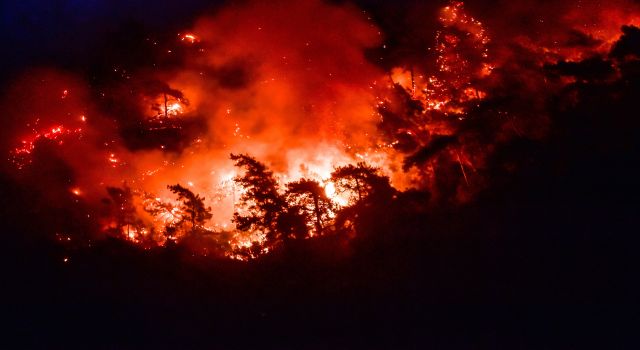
<point x="330" y="189"/>
<point x="174" y="109"/>
<point x="288" y="99"/>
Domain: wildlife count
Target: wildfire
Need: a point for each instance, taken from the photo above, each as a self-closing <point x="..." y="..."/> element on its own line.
<point x="171" y="109"/>
<point x="21" y="155"/>
<point x="165" y="211"/>
<point x="135" y="234"/>
<point x="174" y="109"/>
<point x="326" y="130"/>
<point x="330" y="189"/>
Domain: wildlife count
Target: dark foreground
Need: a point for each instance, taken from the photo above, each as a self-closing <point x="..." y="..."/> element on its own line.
<point x="543" y="260"/>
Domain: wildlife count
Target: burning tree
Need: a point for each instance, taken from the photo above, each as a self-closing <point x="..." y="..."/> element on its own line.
<point x="192" y="206"/>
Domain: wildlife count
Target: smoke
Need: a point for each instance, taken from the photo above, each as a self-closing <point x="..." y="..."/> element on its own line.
<point x="304" y="86"/>
<point x="292" y="90"/>
<point x="269" y="82"/>
<point x="287" y="82"/>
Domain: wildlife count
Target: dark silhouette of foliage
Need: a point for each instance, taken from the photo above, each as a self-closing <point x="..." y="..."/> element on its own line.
<point x="594" y="68"/>
<point x="192" y="206"/>
<point x="263" y="206"/>
<point x="370" y="195"/>
<point x="430" y="150"/>
<point x="311" y="202"/>
<point x="292" y="223"/>
<point x="362" y="182"/>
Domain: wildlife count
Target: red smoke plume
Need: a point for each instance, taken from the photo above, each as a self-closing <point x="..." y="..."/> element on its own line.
<point x="291" y="83"/>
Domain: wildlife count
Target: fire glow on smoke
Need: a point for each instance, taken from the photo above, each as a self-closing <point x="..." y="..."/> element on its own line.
<point x="298" y="93"/>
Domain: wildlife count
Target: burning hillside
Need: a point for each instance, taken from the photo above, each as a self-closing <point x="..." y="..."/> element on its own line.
<point x="256" y="126"/>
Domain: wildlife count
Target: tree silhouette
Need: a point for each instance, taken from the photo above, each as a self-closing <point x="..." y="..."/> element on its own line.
<point x="311" y="202"/>
<point x="192" y="206"/>
<point x="263" y="206"/>
<point x="292" y="223"/>
<point x="362" y="183"/>
<point x="369" y="197"/>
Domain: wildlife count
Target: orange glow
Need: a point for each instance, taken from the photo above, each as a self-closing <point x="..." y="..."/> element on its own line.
<point x="174" y="109"/>
<point x="189" y="37"/>
<point x="21" y="154"/>
<point x="302" y="101"/>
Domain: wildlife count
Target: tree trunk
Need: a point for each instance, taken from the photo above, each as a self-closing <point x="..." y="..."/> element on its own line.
<point x="316" y="209"/>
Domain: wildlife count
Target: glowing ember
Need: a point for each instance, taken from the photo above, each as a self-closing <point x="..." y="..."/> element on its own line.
<point x="113" y="160"/>
<point x="190" y="38"/>
<point x="21" y="154"/>
<point x="330" y="132"/>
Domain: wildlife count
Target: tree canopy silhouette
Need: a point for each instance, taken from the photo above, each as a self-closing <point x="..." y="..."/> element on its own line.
<point x="362" y="183"/>
<point x="311" y="202"/>
<point x="262" y="206"/>
<point x="192" y="206"/>
<point x="369" y="193"/>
